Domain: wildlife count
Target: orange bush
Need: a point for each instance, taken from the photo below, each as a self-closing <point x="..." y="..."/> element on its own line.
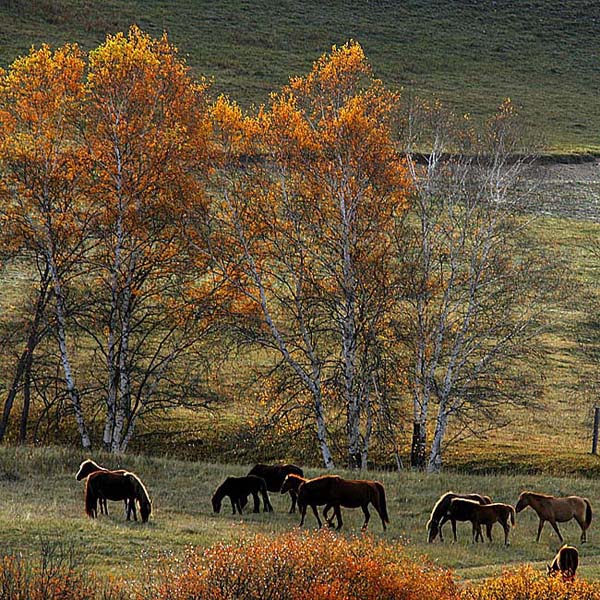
<point x="20" y="580"/>
<point x="321" y="566"/>
<point x="525" y="583"/>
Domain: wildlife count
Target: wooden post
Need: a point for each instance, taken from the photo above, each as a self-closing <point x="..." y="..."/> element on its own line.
<point x="596" y="425"/>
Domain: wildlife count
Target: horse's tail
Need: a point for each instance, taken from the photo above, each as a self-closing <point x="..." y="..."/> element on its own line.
<point x="382" y="503"/>
<point x="91" y="500"/>
<point x="588" y="512"/>
<point x="141" y="494"/>
<point x="513" y="516"/>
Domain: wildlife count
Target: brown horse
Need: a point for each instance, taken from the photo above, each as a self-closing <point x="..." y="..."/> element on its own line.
<point x="565" y="562"/>
<point x="439" y="513"/>
<point x="558" y="510"/>
<point x="482" y="514"/>
<point x="87" y="467"/>
<point x="117" y="486"/>
<point x="335" y="491"/>
<point x="274" y="476"/>
<point x="238" y="489"/>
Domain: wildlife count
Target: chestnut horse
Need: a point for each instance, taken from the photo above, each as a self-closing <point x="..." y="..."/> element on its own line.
<point x="558" y="510"/>
<point x="482" y="514"/>
<point x="238" y="489"/>
<point x="117" y="486"/>
<point x="349" y="493"/>
<point x="565" y="562"/>
<point x="274" y="476"/>
<point x="439" y="512"/>
<point x="87" y="467"/>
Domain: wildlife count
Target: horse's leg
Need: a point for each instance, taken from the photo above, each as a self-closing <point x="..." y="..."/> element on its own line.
<point x="326" y="510"/>
<point x="302" y="514"/>
<point x="365" y="509"/>
<point x="293" y="496"/>
<point x="453" y="521"/>
<point x="338" y="516"/>
<point x="266" y="502"/>
<point x="488" y="532"/>
<point x="475" y="532"/>
<point x="256" y="502"/>
<point x="540" y="527"/>
<point x="555" y="526"/>
<point x="133" y="508"/>
<point x="506" y="526"/>
<point x="443" y="520"/>
<point x="316" y="513"/>
<point x="583" y="538"/>
<point x="233" y="504"/>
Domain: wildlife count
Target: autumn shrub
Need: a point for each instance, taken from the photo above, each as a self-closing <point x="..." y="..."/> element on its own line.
<point x="525" y="583"/>
<point x="22" y="579"/>
<point x="322" y="566"/>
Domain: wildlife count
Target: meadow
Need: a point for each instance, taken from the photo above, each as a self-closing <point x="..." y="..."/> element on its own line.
<point x="41" y="502"/>
<point x="542" y="54"/>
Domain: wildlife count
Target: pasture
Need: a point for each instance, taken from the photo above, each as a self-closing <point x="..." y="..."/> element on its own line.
<point x="540" y="53"/>
<point x="41" y="502"/>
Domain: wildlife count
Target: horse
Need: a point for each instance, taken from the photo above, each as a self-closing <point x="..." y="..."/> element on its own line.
<point x="335" y="491"/>
<point x="461" y="509"/>
<point x="557" y="510"/>
<point x="565" y="562"/>
<point x="439" y="513"/>
<point x="87" y="467"/>
<point x="238" y="489"/>
<point x="117" y="486"/>
<point x="274" y="476"/>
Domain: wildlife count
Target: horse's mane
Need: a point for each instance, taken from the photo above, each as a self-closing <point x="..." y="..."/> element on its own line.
<point x="88" y="461"/>
<point x="437" y="510"/>
<point x="139" y="487"/>
<point x="536" y="494"/>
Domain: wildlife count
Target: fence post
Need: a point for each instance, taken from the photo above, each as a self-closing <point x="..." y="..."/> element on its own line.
<point x="596" y="425"/>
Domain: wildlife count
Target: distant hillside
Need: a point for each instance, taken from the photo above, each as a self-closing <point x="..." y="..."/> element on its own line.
<point x="472" y="53"/>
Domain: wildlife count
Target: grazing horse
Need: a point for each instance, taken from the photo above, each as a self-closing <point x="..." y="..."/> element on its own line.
<point x="439" y="513"/>
<point x="565" y="562"/>
<point x="274" y="476"/>
<point x="117" y="486"/>
<point x="558" y="510"/>
<point x="482" y="514"/>
<point x="238" y="489"/>
<point x="335" y="491"/>
<point x="87" y="467"/>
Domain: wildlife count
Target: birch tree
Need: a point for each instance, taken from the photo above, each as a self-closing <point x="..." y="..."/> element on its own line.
<point x="146" y="133"/>
<point x="473" y="287"/>
<point x="43" y="163"/>
<point x="310" y="226"/>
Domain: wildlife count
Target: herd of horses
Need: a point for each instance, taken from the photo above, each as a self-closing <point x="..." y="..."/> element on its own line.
<point x="334" y="493"/>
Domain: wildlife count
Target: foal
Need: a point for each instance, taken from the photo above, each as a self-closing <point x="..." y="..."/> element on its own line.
<point x="482" y="514"/>
<point x="238" y="489"/>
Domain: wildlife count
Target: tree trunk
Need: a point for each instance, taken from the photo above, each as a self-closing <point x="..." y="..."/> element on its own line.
<point x="418" y="446"/>
<point x="12" y="393"/>
<point x="434" y="464"/>
<point x="26" y="398"/>
<point x="322" y="432"/>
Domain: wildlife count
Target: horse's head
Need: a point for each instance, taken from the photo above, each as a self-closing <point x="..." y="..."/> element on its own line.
<point x="522" y="502"/>
<point x="433" y="530"/>
<point x="216" y="503"/>
<point x="85" y="468"/>
<point x="145" y="509"/>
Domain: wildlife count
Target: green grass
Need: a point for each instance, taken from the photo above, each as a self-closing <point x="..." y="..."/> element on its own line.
<point x="42" y="500"/>
<point x="540" y="53"/>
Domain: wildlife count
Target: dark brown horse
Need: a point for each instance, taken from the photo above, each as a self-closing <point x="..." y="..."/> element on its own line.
<point x="565" y="562"/>
<point x="482" y="514"/>
<point x="439" y="513"/>
<point x="274" y="476"/>
<point x="87" y="467"/>
<point x="349" y="493"/>
<point x="238" y="489"/>
<point x="558" y="510"/>
<point x="117" y="486"/>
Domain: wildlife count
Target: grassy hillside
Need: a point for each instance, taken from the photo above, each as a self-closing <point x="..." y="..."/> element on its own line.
<point x="541" y="53"/>
<point x="42" y="502"/>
